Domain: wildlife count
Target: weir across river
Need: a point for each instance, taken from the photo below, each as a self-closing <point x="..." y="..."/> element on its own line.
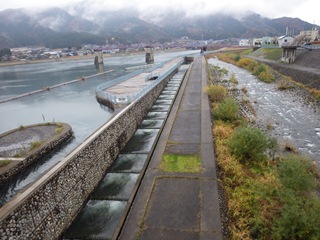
<point x="112" y="198"/>
<point x="50" y="204"/>
<point x="124" y="90"/>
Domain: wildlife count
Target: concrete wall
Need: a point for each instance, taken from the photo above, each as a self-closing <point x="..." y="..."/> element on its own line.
<point x="50" y="205"/>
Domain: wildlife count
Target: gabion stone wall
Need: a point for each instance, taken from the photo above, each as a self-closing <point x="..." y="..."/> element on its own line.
<point x="36" y="155"/>
<point x="50" y="205"/>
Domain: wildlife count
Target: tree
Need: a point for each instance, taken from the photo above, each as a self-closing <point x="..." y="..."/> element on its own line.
<point x="5" y="52"/>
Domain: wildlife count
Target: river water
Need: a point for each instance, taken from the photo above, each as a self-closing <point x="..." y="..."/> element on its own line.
<point x="291" y="119"/>
<point x="74" y="104"/>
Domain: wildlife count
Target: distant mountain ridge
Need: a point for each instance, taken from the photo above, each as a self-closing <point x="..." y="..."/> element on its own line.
<point x="56" y="27"/>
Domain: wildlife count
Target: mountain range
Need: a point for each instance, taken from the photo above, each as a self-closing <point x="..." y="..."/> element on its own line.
<point x="56" y="27"/>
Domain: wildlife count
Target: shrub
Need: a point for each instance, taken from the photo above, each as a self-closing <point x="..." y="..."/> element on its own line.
<point x="216" y="92"/>
<point x="266" y="77"/>
<point x="295" y="172"/>
<point x="237" y="57"/>
<point x="249" y="145"/>
<point x="247" y="63"/>
<point x="227" y="110"/>
<point x="299" y="216"/>
<point x="259" y="69"/>
<point x="298" y="220"/>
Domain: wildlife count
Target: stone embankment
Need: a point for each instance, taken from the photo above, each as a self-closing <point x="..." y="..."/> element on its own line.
<point x="306" y="68"/>
<point x="28" y="144"/>
<point x="49" y="205"/>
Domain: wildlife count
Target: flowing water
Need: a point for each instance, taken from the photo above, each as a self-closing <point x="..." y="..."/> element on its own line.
<point x="117" y="185"/>
<point x="74" y="104"/>
<point x="291" y="119"/>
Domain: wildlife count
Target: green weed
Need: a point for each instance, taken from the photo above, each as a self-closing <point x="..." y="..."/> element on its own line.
<point x="35" y="145"/>
<point x="233" y="79"/>
<point x="227" y="110"/>
<point x="180" y="163"/>
<point x="249" y="145"/>
<point x="5" y="162"/>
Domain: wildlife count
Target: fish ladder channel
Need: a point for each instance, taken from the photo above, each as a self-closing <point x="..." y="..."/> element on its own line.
<point x="110" y="202"/>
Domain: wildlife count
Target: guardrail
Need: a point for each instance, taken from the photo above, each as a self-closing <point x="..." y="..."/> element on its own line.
<point x="129" y="98"/>
<point x="310" y="47"/>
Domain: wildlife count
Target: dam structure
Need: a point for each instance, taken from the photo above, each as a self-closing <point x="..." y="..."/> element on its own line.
<point x="104" y="213"/>
<point x="125" y="90"/>
<point x="49" y="206"/>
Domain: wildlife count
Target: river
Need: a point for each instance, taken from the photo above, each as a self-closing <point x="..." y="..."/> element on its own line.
<point x="292" y="120"/>
<point x="74" y="104"/>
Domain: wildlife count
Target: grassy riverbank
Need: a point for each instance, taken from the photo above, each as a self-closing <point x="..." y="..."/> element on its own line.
<point x="264" y="72"/>
<point x="270" y="193"/>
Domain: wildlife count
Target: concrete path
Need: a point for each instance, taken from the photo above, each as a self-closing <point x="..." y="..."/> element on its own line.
<point x="180" y="205"/>
<point x="138" y="82"/>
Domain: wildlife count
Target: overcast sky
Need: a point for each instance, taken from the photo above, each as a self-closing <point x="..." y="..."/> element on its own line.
<point x="307" y="10"/>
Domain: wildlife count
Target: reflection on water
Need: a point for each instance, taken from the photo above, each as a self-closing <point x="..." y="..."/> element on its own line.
<point x="97" y="220"/>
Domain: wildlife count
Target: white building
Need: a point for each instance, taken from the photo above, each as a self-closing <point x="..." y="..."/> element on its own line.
<point x="285" y="40"/>
<point x="257" y="42"/>
<point x="310" y="36"/>
<point x="244" y="42"/>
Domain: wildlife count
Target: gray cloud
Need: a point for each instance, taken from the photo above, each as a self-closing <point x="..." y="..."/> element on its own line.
<point x="306" y="10"/>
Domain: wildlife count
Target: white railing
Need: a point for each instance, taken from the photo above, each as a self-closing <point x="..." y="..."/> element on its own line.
<point x="129" y="98"/>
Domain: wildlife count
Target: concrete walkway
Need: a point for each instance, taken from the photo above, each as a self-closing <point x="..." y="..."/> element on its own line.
<point x="180" y="205"/>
